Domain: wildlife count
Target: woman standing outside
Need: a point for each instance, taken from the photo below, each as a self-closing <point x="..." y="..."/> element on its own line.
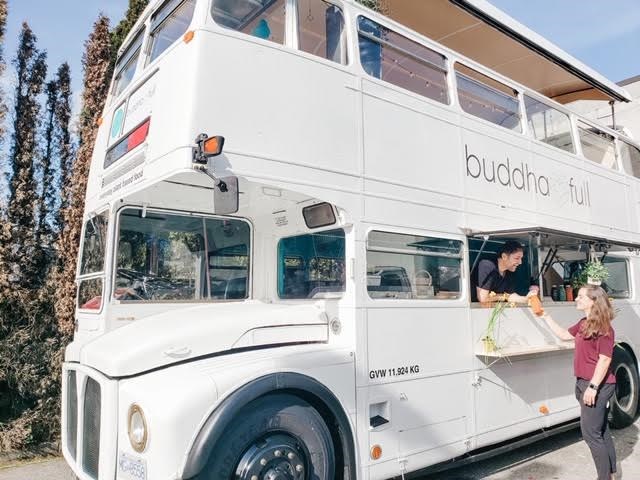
<point x="595" y="382"/>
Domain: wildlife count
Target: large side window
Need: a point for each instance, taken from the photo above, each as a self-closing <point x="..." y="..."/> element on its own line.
<point x="401" y="266"/>
<point x="168" y="24"/>
<point x="311" y="265"/>
<point x="126" y="64"/>
<point x="90" y="281"/>
<point x="597" y="145"/>
<point x="487" y="98"/>
<point x="630" y="156"/>
<point x="261" y="18"/>
<point x="548" y="124"/>
<point x="391" y="57"/>
<point x="170" y="257"/>
<point x="321" y="30"/>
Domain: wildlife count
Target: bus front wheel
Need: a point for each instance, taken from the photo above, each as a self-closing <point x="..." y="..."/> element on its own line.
<point x="275" y="437"/>
<point x="624" y="403"/>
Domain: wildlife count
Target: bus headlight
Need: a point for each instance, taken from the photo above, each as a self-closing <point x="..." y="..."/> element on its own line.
<point x="137" y="428"/>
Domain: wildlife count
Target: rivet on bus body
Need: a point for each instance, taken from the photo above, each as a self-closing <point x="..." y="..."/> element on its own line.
<point x="376" y="452"/>
<point x="188" y="36"/>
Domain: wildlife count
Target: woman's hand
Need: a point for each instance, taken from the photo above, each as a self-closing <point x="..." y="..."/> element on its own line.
<point x="589" y="397"/>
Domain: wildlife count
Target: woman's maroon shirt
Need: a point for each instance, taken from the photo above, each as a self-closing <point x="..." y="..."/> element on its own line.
<point x="588" y="351"/>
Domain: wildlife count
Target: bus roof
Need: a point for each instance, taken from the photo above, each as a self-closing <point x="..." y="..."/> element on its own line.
<point x="485" y="34"/>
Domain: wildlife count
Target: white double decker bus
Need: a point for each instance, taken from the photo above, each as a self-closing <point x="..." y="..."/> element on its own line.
<point x="286" y="205"/>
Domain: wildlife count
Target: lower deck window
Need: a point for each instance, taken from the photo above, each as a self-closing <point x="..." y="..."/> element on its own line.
<point x="174" y="257"/>
<point x="311" y="265"/>
<point x="401" y="266"/>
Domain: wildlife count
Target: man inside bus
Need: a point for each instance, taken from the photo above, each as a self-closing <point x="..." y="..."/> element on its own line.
<point x="498" y="275"/>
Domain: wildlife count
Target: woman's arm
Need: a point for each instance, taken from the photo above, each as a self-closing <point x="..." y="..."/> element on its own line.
<point x="602" y="367"/>
<point x="560" y="332"/>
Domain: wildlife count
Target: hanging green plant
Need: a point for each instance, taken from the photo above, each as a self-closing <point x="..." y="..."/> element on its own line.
<point x="594" y="272"/>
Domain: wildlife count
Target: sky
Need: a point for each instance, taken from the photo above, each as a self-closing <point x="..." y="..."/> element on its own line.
<point x="605" y="35"/>
<point x="61" y="27"/>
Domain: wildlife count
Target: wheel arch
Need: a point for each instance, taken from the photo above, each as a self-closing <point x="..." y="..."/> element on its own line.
<point x="630" y="351"/>
<point x="302" y="386"/>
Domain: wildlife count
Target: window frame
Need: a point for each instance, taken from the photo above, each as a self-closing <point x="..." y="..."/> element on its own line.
<point x="426" y="62"/>
<point x="97" y="275"/>
<point x="616" y="167"/>
<point x="623" y="141"/>
<point x="333" y="295"/>
<point x="155" y="25"/>
<point x="126" y="56"/>
<point x="529" y="94"/>
<point x="344" y="38"/>
<point x="114" y="266"/>
<point x="462" y="258"/>
<point x="518" y="95"/>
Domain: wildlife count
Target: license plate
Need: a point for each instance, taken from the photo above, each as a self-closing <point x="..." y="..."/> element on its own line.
<point x="131" y="468"/>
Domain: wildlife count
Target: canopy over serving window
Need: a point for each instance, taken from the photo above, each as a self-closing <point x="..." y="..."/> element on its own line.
<point x="478" y="30"/>
<point x="546" y="237"/>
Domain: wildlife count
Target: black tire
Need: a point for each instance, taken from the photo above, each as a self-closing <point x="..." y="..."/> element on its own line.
<point x="278" y="436"/>
<point x="624" y="403"/>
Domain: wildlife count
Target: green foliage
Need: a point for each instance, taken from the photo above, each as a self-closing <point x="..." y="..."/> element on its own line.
<point x="594" y="270"/>
<point x="375" y="5"/>
<point x="25" y="257"/>
<point x="119" y="33"/>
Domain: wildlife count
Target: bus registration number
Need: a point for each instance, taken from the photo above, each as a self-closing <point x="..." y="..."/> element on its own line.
<point x="131" y="468"/>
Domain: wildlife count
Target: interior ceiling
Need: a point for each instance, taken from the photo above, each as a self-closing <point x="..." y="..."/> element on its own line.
<point x="454" y="27"/>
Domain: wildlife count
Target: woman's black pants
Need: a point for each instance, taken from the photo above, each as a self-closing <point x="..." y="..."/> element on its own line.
<point x="595" y="428"/>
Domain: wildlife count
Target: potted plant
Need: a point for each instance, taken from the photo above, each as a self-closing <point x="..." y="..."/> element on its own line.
<point x="489" y="339"/>
<point x="593" y="273"/>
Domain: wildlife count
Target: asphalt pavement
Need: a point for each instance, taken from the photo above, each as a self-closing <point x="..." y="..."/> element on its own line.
<point x="561" y="457"/>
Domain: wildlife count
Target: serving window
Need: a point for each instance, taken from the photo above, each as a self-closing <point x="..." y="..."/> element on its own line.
<point x="555" y="261"/>
<point x="402" y="266"/>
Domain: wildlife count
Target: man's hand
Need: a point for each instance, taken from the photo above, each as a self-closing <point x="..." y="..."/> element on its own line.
<point x="589" y="397"/>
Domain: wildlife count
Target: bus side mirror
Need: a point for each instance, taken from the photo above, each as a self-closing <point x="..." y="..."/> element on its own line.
<point x="225" y="196"/>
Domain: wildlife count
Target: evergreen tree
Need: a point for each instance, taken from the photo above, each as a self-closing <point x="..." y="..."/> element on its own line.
<point x="62" y="135"/>
<point x="50" y="194"/>
<point x="5" y="231"/>
<point x="24" y="257"/>
<point x="136" y="7"/>
<point x="97" y="69"/>
<point x="3" y="26"/>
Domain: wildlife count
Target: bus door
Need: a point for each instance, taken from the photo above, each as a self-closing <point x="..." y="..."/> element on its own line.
<point x="418" y="395"/>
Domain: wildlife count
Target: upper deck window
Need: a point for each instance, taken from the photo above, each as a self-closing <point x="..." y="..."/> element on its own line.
<point x="630" y="156"/>
<point x="126" y="64"/>
<point x="261" y="18"/>
<point x="168" y="24"/>
<point x="548" y="124"/>
<point x="597" y="145"/>
<point x="487" y="98"/>
<point x="391" y="57"/>
<point x="321" y="30"/>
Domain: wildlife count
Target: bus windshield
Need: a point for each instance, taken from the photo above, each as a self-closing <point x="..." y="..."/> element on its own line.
<point x="175" y="257"/>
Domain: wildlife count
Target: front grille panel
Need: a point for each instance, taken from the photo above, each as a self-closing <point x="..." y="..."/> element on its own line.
<point x="91" y="430"/>
<point x="72" y="414"/>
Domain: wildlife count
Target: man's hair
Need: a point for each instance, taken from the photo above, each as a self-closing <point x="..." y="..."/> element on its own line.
<point x="509" y="247"/>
